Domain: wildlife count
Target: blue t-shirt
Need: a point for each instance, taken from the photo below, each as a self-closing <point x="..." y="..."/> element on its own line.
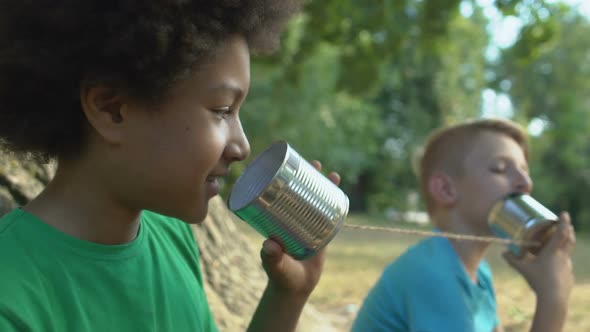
<point x="427" y="289"/>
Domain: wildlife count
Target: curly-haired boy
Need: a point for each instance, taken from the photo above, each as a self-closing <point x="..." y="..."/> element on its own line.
<point x="139" y="103"/>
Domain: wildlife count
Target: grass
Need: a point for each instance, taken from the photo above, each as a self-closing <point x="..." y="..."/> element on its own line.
<point x="356" y="259"/>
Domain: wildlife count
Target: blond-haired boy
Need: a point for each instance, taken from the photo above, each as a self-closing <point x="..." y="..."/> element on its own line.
<point x="446" y="285"/>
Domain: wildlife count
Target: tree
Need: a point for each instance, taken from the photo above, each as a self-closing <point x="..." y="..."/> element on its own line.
<point x="426" y="87"/>
<point x="359" y="84"/>
<point x="546" y="74"/>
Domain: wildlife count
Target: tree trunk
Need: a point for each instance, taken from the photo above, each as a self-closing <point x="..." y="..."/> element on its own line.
<point x="234" y="278"/>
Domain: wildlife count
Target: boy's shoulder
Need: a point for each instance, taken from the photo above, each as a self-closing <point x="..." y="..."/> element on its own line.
<point x="22" y="241"/>
<point x="16" y="259"/>
<point x="7" y="220"/>
<point x="25" y="252"/>
<point x="427" y="261"/>
<point x="12" y="234"/>
<point x="162" y="225"/>
<point x="170" y="234"/>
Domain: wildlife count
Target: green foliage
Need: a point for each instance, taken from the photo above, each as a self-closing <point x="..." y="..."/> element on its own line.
<point x="547" y="76"/>
<point x="360" y="84"/>
<point x="317" y="119"/>
<point x="424" y="88"/>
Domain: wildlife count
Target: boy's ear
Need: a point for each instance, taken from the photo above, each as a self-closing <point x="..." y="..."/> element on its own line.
<point x="103" y="107"/>
<point x="442" y="189"/>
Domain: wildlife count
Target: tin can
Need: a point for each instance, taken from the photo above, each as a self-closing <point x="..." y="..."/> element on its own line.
<point x="521" y="218"/>
<point x="283" y="197"/>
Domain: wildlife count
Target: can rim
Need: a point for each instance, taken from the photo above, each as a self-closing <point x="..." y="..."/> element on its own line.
<point x="247" y="202"/>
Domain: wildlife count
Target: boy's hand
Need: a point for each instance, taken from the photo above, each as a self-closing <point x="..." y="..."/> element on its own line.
<point x="288" y="275"/>
<point x="550" y="274"/>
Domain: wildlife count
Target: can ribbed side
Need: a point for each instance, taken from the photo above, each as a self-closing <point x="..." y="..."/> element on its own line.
<point x="304" y="213"/>
<point x="310" y="211"/>
<point x="269" y="224"/>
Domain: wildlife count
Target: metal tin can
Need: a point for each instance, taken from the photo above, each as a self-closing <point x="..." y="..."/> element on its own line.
<point x="285" y="198"/>
<point x="521" y="218"/>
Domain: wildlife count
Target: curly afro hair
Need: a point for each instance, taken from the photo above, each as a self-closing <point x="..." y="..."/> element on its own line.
<point x="49" y="48"/>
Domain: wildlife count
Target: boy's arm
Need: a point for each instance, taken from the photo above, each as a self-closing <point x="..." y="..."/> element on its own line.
<point x="290" y="284"/>
<point x="277" y="312"/>
<point x="550" y="275"/>
<point x="550" y="314"/>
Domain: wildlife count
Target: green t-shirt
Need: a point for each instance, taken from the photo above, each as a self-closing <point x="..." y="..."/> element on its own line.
<point x="51" y="281"/>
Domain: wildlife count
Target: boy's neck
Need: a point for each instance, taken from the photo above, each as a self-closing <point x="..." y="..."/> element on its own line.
<point x="471" y="254"/>
<point x="78" y="203"/>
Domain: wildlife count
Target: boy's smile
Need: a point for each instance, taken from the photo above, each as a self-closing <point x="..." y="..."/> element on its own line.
<point x="213" y="185"/>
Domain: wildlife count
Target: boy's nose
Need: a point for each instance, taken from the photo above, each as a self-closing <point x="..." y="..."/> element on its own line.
<point x="524" y="183"/>
<point x="238" y="147"/>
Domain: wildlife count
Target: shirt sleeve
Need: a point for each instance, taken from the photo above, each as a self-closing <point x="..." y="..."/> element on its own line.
<point x="9" y="323"/>
<point x="406" y="301"/>
<point x="378" y="313"/>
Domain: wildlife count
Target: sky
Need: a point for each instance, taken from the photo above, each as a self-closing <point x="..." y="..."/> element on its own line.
<point x="503" y="32"/>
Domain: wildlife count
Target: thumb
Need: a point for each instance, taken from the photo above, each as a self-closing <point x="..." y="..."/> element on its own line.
<point x="271" y="255"/>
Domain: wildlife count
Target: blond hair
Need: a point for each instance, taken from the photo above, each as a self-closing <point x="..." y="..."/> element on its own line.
<point x="446" y="148"/>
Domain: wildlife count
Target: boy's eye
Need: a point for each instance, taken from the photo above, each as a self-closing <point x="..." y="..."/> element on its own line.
<point x="498" y="168"/>
<point x="223" y="112"/>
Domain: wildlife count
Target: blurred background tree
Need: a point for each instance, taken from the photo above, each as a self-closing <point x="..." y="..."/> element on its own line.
<point x="359" y="84"/>
<point x="547" y="75"/>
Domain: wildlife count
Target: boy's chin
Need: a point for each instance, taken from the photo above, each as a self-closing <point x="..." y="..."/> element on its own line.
<point x="198" y="217"/>
<point x="193" y="216"/>
<point x="198" y="213"/>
